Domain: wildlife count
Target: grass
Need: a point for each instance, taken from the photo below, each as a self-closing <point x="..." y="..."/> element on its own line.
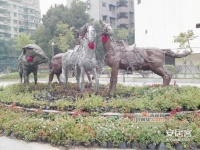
<point x="15" y="76"/>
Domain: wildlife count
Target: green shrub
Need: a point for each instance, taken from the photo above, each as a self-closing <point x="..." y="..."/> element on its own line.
<point x="173" y="69"/>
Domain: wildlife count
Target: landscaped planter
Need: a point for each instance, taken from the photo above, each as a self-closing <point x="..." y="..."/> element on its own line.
<point x="65" y="122"/>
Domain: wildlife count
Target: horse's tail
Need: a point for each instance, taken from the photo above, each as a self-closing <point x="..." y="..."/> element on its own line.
<point x="169" y="52"/>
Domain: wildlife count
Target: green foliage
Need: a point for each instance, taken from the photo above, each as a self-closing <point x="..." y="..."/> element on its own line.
<point x="99" y="47"/>
<point x="127" y="35"/>
<point x="42" y="38"/>
<point x="175" y="71"/>
<point x="23" y="40"/>
<point x="61" y="129"/>
<point x="121" y="33"/>
<point x="64" y="37"/>
<point x="107" y="70"/>
<point x="76" y="16"/>
<point x="6" y="47"/>
<point x="184" y="39"/>
<point x="15" y="75"/>
<point x="58" y="25"/>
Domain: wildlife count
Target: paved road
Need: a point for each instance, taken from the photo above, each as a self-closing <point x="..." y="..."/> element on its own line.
<point x="127" y="80"/>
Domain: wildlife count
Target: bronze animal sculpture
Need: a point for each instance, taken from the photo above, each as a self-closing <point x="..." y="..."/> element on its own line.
<point x="83" y="56"/>
<point x="122" y="56"/>
<point x="55" y="68"/>
<point x="29" y="60"/>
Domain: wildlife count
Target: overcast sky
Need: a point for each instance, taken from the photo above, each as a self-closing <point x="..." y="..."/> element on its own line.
<point x="46" y="4"/>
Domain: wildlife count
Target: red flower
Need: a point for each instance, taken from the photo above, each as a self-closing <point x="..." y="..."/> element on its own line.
<point x="91" y="45"/>
<point x="30" y="58"/>
<point x="104" y="38"/>
<point x="178" y="109"/>
<point x="173" y="112"/>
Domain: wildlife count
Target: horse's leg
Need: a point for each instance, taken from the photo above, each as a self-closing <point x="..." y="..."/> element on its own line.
<point x="89" y="78"/>
<point x="25" y="74"/>
<point x="58" y="77"/>
<point x="166" y="75"/>
<point x="95" y="75"/>
<point x="20" y="75"/>
<point x="50" y="79"/>
<point x="78" y="73"/>
<point x="113" y="79"/>
<point x="65" y="76"/>
<point x="82" y="79"/>
<point x="35" y="78"/>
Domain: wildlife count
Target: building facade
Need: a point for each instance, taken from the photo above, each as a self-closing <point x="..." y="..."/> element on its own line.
<point x="120" y="13"/>
<point x="158" y="21"/>
<point x="18" y="16"/>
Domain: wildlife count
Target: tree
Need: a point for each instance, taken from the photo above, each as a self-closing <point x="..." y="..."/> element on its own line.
<point x="99" y="47"/>
<point x="58" y="25"/>
<point x="53" y="16"/>
<point x="76" y="16"/>
<point x="64" y="37"/>
<point x="121" y="34"/>
<point x="42" y="38"/>
<point x="7" y="47"/>
<point x="125" y="34"/>
<point x="131" y="36"/>
<point x="184" y="39"/>
<point x="22" y="40"/>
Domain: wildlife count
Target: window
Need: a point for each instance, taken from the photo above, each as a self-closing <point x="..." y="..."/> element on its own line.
<point x="15" y="14"/>
<point x="103" y="4"/>
<point x="15" y="21"/>
<point x="16" y="29"/>
<point x="139" y="1"/>
<point x="198" y="25"/>
<point x="104" y="18"/>
<point x="14" y="6"/>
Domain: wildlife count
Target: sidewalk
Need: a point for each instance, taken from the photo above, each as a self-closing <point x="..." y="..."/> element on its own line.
<point x="13" y="144"/>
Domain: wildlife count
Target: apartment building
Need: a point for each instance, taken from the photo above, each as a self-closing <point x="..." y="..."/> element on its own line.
<point x="18" y="16"/>
<point x="120" y="13"/>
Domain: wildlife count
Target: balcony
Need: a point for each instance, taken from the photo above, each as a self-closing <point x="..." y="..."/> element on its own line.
<point x="3" y="0"/>
<point x="3" y="7"/>
<point x="112" y="2"/>
<point x="124" y="21"/>
<point x="122" y="10"/>
<point x="4" y="31"/>
<point x="31" y="27"/>
<point x="3" y="15"/>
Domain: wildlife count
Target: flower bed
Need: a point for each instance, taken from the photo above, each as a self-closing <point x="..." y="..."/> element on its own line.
<point x="125" y="100"/>
<point x="62" y="129"/>
<point x="87" y="127"/>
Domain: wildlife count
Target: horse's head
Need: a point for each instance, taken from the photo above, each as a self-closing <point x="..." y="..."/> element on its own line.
<point x="82" y="31"/>
<point x="33" y="54"/>
<point x="90" y="34"/>
<point x="27" y="52"/>
<point x="106" y="28"/>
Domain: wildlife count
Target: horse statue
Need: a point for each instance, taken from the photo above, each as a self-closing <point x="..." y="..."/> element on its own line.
<point x="122" y="56"/>
<point x="29" y="60"/>
<point x="83" y="57"/>
<point x="55" y="68"/>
